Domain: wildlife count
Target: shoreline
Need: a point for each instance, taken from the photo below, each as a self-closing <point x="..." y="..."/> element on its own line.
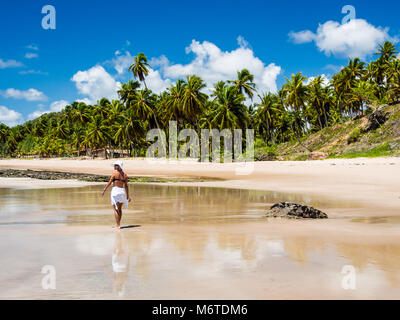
<point x="370" y="182"/>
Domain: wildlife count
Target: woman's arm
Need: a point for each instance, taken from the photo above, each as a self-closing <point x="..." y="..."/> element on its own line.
<point x="127" y="188"/>
<point x="108" y="184"/>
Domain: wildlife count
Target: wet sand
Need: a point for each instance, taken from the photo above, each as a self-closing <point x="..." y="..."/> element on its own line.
<point x="185" y="242"/>
<point x="370" y="181"/>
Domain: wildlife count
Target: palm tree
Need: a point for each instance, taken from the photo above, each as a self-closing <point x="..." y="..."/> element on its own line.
<point x="393" y="76"/>
<point x="229" y="111"/>
<point x="141" y="105"/>
<point x="97" y="133"/>
<point x="266" y="113"/>
<point x="363" y="94"/>
<point x="77" y="137"/>
<point x="387" y="52"/>
<point x="134" y="129"/>
<point x="121" y="135"/>
<point x="193" y="100"/>
<point x="140" y="68"/>
<point x="244" y="83"/>
<point x="4" y="133"/>
<point x="81" y="113"/>
<point x="102" y="107"/>
<point x="319" y="100"/>
<point x="296" y="92"/>
<point x="379" y="68"/>
<point x="127" y="91"/>
<point x="60" y="129"/>
<point x="355" y="69"/>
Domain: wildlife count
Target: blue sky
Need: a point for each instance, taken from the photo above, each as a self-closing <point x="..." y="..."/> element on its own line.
<point x="87" y="54"/>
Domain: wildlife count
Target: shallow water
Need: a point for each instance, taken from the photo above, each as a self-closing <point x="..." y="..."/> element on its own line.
<point x="192" y="243"/>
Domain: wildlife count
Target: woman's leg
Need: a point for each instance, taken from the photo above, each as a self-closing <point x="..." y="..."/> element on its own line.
<point x="117" y="218"/>
<point x="119" y="205"/>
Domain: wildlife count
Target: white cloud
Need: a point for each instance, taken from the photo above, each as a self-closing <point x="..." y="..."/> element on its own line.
<point x="212" y="65"/>
<point x="325" y="80"/>
<point x="55" y="106"/>
<point x="96" y="83"/>
<point x="10" y="117"/>
<point x="356" y="38"/>
<point x="121" y="63"/>
<point x="302" y="36"/>
<point x="85" y="100"/>
<point x="33" y="72"/>
<point x="156" y="83"/>
<point x="333" y="68"/>
<point x="32" y="47"/>
<point x="31" y="55"/>
<point x="9" y="64"/>
<point x="28" y="95"/>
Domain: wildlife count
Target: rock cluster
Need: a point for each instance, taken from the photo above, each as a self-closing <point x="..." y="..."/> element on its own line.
<point x="294" y="211"/>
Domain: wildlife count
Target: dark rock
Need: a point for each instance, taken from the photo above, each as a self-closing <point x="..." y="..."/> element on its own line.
<point x="294" y="211"/>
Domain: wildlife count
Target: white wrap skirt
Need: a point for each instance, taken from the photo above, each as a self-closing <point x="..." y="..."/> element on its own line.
<point x="118" y="195"/>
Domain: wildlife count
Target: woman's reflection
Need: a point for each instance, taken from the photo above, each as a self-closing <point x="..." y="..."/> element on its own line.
<point x="120" y="265"/>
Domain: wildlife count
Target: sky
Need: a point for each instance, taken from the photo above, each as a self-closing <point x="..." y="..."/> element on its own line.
<point x="87" y="55"/>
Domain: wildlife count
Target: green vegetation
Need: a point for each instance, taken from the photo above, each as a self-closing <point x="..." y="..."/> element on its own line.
<point x="354" y="135"/>
<point x="380" y="151"/>
<point x="300" y="118"/>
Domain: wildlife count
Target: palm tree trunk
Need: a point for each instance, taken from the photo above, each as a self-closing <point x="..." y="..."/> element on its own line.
<point x="319" y="118"/>
<point x="326" y="118"/>
<point x="296" y="133"/>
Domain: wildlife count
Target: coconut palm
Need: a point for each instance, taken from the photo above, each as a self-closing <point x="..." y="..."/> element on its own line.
<point x="97" y="133"/>
<point x="193" y="100"/>
<point x="60" y="129"/>
<point x="229" y="110"/>
<point x="141" y="105"/>
<point x="134" y="130"/>
<point x="140" y="68"/>
<point x="127" y="91"/>
<point x="81" y="112"/>
<point x="387" y="52"/>
<point x="266" y="114"/>
<point x="244" y="83"/>
<point x="295" y="96"/>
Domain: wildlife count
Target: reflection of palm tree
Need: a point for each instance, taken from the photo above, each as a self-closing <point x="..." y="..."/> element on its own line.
<point x="120" y="265"/>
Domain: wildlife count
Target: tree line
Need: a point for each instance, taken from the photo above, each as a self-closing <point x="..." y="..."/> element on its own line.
<point x="300" y="107"/>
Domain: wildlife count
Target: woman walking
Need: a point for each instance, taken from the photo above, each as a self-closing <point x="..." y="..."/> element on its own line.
<point x="119" y="192"/>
